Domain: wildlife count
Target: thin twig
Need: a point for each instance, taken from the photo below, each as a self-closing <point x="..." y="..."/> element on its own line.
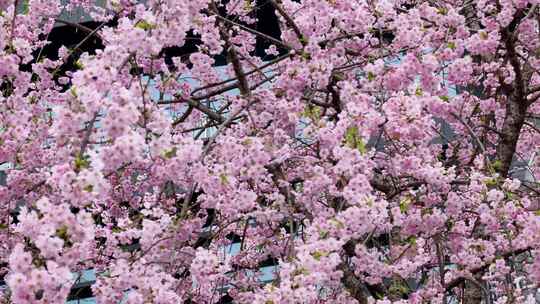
<point x="471" y="132"/>
<point x="269" y="63"/>
<point x="254" y="32"/>
<point x="290" y="22"/>
<point x="78" y="26"/>
<point x="12" y="33"/>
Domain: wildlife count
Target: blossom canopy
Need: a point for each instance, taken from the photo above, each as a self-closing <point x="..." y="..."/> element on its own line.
<point x="375" y="151"/>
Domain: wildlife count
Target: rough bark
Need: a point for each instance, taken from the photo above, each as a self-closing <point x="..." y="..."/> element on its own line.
<point x="517" y="104"/>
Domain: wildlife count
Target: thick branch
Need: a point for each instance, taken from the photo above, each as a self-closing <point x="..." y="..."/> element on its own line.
<point x="355" y="286"/>
<point x="516" y="109"/>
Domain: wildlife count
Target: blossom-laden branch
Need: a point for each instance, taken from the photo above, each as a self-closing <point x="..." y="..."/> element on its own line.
<point x="370" y="155"/>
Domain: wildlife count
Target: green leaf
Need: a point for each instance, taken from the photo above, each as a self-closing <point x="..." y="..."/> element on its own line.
<point x="350" y="135"/>
<point x="88" y="188"/>
<point x="117" y="229"/>
<point x="81" y="162"/>
<point x="370" y="76"/>
<point x="337" y="223"/>
<point x="404" y="204"/>
<point x="312" y="112"/>
<point x="379" y="295"/>
<point x="419" y="92"/>
<point x="323" y="234"/>
<point x="354" y="141"/>
<point x="361" y="146"/>
<point x="78" y="64"/>
<point x="25" y="7"/>
<point x="444" y="98"/>
<point x="145" y="25"/>
<point x="497" y="165"/>
<point x="223" y="179"/>
<point x="369" y="202"/>
<point x="170" y="153"/>
<point x="339" y="76"/>
<point x="491" y="182"/>
<point x="442" y="10"/>
<point x="62" y="233"/>
<point x="452" y="45"/>
<point x="317" y="255"/>
<point x="306" y="55"/>
<point x="300" y="271"/>
<point x="398" y="288"/>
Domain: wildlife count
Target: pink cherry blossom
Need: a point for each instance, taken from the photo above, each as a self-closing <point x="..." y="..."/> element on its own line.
<point x="379" y="152"/>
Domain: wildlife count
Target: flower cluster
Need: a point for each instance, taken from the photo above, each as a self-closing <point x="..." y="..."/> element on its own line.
<point x="373" y="152"/>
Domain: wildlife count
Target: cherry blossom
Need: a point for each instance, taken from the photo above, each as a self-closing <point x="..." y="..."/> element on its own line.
<point x="378" y="152"/>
